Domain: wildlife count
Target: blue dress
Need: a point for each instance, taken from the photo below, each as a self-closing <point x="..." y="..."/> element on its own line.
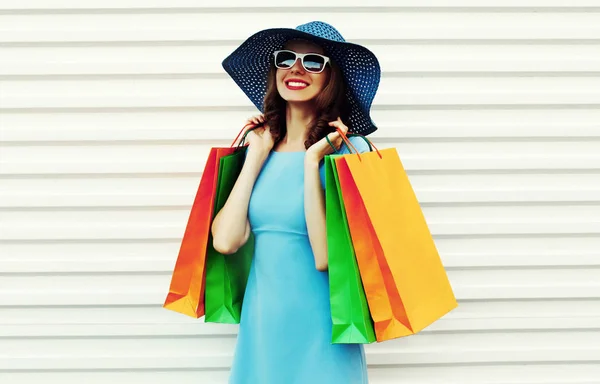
<point x="285" y="328"/>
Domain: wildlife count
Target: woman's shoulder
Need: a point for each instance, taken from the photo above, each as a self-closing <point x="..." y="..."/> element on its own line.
<point x="358" y="142"/>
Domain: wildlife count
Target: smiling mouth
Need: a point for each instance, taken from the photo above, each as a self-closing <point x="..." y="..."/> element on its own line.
<point x="295" y="85"/>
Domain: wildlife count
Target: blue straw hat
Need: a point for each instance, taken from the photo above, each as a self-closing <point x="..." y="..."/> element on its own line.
<point x="249" y="66"/>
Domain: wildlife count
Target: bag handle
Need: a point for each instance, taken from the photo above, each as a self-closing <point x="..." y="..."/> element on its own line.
<point x="362" y="137"/>
<point x="369" y="143"/>
<point x="245" y="130"/>
<point x="349" y="144"/>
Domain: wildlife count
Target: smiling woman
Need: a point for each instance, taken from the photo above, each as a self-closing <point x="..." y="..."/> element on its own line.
<point x="294" y="77"/>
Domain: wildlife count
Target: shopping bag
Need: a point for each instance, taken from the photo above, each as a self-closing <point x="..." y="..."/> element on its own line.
<point x="187" y="287"/>
<point x="349" y="310"/>
<point x="405" y="282"/>
<point x="227" y="275"/>
<point x="186" y="292"/>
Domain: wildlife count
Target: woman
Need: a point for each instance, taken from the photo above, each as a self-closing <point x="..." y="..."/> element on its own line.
<point x="308" y="81"/>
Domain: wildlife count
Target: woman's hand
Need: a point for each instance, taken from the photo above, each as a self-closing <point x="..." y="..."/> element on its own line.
<point x="260" y="139"/>
<point x="256" y="120"/>
<point x="318" y="150"/>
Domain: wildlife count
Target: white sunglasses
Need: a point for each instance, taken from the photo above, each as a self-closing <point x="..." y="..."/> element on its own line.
<point x="311" y="62"/>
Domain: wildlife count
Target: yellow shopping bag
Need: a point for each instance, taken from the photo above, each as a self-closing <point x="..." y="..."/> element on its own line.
<point x="406" y="285"/>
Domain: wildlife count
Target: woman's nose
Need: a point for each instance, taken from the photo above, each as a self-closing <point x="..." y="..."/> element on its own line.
<point x="297" y="67"/>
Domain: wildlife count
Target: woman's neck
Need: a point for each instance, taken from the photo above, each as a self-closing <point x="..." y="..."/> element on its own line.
<point x="298" y="116"/>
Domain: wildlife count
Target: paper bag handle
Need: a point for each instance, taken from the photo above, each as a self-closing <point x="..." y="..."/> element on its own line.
<point x="245" y="130"/>
<point x="349" y="144"/>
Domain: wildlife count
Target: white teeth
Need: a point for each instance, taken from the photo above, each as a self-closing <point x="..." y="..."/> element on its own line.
<point x="297" y="84"/>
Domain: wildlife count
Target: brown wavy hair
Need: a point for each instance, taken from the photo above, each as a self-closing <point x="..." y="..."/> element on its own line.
<point x="330" y="103"/>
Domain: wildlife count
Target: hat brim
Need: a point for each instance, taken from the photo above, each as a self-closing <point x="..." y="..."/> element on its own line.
<point x="248" y="65"/>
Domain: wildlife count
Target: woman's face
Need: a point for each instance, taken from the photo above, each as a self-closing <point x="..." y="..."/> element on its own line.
<point x="305" y="86"/>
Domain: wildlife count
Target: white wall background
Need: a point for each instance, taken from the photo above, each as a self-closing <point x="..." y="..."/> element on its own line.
<point x="108" y="109"/>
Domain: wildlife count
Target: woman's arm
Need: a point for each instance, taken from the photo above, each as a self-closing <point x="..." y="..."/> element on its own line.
<point x="314" y="210"/>
<point x="314" y="195"/>
<point x="230" y="228"/>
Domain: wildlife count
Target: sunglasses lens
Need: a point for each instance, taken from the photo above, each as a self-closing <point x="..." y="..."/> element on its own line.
<point x="314" y="63"/>
<point x="285" y="60"/>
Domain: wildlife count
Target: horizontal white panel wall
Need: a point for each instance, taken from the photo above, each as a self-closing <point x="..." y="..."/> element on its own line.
<point x="53" y="6"/>
<point x="108" y="110"/>
<point x="223" y="94"/>
<point x="200" y="61"/>
<point x="206" y="26"/>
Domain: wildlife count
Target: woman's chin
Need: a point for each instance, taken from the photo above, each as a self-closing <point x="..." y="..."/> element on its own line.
<point x="296" y="97"/>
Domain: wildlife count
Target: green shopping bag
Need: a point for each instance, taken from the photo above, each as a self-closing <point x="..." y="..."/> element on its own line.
<point x="349" y="309"/>
<point x="227" y="275"/>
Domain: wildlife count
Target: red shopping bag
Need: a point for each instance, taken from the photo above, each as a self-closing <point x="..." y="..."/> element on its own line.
<point x="188" y="281"/>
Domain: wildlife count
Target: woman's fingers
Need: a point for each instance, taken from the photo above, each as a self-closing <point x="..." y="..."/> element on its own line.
<point x="335" y="139"/>
<point x="339" y="124"/>
<point x="258" y="119"/>
<point x="255" y="120"/>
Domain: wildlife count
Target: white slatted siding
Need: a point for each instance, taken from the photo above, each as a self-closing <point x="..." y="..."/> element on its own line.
<point x="108" y="110"/>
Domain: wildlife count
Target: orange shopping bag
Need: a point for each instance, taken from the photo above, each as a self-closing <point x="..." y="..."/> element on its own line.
<point x="188" y="281"/>
<point x="406" y="285"/>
